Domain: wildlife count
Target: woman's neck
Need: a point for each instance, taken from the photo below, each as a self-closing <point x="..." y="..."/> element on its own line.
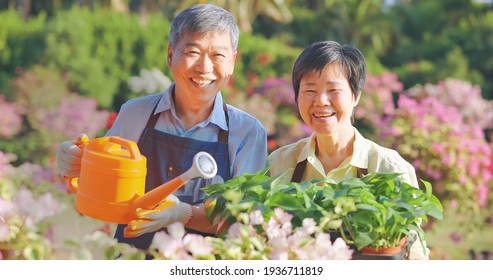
<point x="332" y="150"/>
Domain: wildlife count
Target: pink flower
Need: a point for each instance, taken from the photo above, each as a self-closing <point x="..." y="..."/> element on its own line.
<point x="309" y="225"/>
<point x="10" y="118"/>
<point x="281" y="216"/>
<point x="7" y="209"/>
<point x="279" y="250"/>
<point x="35" y="210"/>
<point x="234" y="231"/>
<point x="482" y="194"/>
<point x="197" y="245"/>
<point x="171" y="245"/>
<point x="256" y="217"/>
<point x="4" y="231"/>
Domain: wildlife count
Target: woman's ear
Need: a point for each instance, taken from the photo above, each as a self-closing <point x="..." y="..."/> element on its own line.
<point x="357" y="98"/>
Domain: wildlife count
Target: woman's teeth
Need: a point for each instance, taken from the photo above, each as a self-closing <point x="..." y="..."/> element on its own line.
<point x="324" y="115"/>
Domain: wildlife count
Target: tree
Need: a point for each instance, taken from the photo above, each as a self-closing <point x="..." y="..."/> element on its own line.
<point x="246" y="11"/>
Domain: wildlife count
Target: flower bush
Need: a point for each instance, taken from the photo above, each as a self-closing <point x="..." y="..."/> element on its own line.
<point x="439" y="129"/>
<point x="24" y="231"/>
<point x="10" y="120"/>
<point x="443" y="148"/>
<point x="377" y="99"/>
<point x="41" y="112"/>
<point x="462" y="95"/>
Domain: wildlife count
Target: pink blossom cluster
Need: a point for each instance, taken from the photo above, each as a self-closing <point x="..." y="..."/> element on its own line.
<point x="462" y="95"/>
<point x="10" y="118"/>
<point x="29" y="209"/>
<point x="275" y="239"/>
<point x="74" y="115"/>
<point x="377" y="100"/>
<point x="278" y="90"/>
<point x="303" y="243"/>
<point x="5" y="160"/>
<point x="175" y="244"/>
<point x="445" y="150"/>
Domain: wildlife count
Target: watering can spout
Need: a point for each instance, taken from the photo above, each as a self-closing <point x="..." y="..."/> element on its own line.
<point x="203" y="166"/>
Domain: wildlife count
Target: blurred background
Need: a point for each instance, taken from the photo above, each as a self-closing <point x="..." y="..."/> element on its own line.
<point x="66" y="67"/>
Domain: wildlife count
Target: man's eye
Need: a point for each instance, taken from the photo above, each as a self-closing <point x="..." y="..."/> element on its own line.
<point x="192" y="52"/>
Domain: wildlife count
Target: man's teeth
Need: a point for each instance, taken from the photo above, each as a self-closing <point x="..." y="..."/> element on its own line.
<point x="202" y="82"/>
<point x="324" y="115"/>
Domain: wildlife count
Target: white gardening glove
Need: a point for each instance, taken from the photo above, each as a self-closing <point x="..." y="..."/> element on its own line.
<point x="416" y="250"/>
<point x="69" y="156"/>
<point x="168" y="211"/>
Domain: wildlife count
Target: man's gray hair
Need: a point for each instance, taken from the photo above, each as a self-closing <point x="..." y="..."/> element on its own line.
<point x="204" y="19"/>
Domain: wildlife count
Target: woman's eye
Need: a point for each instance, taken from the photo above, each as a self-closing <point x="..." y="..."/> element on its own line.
<point x="309" y="92"/>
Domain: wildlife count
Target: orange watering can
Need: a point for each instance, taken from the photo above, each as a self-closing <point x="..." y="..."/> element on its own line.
<point x="111" y="184"/>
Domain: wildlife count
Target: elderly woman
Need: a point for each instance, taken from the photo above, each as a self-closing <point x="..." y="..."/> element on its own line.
<point x="328" y="80"/>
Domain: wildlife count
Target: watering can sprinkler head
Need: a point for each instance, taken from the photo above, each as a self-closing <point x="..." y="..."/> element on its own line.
<point x="203" y="165"/>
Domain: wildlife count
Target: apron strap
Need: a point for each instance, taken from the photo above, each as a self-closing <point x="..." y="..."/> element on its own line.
<point x="298" y="171"/>
<point x="223" y="135"/>
<point x="361" y="172"/>
<point x="151" y="122"/>
<point x="301" y="166"/>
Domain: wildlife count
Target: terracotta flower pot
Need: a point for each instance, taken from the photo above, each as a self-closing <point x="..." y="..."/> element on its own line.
<point x="385" y="251"/>
<point x="5" y="252"/>
<point x="392" y="253"/>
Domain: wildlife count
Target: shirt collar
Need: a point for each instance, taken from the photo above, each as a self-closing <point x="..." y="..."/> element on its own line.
<point x="358" y="159"/>
<point x="217" y="116"/>
<point x="360" y="151"/>
<point x="308" y="151"/>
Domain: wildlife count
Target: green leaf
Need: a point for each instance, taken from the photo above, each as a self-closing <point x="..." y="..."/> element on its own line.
<point x="285" y="201"/>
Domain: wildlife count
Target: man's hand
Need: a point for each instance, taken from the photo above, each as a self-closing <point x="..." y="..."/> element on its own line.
<point x="165" y="213"/>
<point x="69" y="156"/>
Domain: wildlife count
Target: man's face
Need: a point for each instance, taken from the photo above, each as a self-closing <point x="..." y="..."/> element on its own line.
<point x="202" y="65"/>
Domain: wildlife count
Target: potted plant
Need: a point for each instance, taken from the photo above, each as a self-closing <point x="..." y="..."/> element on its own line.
<point x="388" y="210"/>
<point x="376" y="211"/>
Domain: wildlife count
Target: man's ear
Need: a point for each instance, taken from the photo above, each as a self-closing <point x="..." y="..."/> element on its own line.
<point x="170" y="55"/>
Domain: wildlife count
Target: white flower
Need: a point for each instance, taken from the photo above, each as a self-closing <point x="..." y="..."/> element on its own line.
<point x="149" y="81"/>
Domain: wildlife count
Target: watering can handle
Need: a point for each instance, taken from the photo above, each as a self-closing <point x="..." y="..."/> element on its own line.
<point x="80" y="142"/>
<point x="132" y="147"/>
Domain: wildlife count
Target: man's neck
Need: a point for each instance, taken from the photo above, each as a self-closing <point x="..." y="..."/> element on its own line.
<point x="192" y="114"/>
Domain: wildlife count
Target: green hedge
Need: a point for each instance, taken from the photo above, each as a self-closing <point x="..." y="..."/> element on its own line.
<point x="101" y="49"/>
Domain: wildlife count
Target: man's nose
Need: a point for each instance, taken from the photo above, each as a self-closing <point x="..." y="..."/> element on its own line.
<point x="204" y="64"/>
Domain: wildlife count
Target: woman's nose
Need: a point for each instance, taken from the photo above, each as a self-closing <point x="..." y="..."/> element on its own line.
<point x="322" y="98"/>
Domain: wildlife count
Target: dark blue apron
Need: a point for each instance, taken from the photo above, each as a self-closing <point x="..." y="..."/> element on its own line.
<point x="168" y="156"/>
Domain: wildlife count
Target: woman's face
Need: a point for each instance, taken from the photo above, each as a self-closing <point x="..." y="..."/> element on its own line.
<point x="326" y="101"/>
